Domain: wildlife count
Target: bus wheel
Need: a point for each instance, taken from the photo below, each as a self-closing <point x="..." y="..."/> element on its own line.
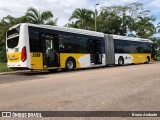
<point x="70" y="64"/>
<point x="147" y="59"/>
<point x="120" y="61"/>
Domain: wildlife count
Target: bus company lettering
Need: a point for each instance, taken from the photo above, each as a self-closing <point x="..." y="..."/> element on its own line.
<point x="23" y="115"/>
<point x="150" y="114"/>
<point x="35" y="115"/>
<point x="144" y="115"/>
<point x="127" y="57"/>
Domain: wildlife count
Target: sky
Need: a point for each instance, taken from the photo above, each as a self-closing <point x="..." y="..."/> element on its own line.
<point x="62" y="9"/>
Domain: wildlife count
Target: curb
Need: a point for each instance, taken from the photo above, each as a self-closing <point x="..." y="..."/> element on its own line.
<point x="155" y="61"/>
<point x="20" y="71"/>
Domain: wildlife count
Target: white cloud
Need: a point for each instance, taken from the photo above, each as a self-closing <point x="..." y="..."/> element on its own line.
<point x="155" y="3"/>
<point x="60" y="8"/>
<point x="118" y="2"/>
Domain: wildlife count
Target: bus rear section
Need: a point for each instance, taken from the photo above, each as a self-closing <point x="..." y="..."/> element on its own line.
<point x="130" y="50"/>
<point x="17" y="48"/>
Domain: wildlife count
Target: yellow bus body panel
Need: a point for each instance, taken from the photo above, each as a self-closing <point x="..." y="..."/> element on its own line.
<point x="140" y="58"/>
<point x="14" y="57"/>
<point x="36" y="61"/>
<point x="64" y="56"/>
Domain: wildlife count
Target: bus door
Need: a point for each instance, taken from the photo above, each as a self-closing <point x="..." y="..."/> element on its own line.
<point x="96" y="51"/>
<point x="50" y="46"/>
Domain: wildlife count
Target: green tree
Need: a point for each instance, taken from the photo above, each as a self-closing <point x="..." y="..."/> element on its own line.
<point x="144" y="27"/>
<point x="32" y="16"/>
<point x="5" y="24"/>
<point x="158" y="27"/>
<point x="84" y="18"/>
<point x="72" y="25"/>
<point x="131" y="20"/>
<point x="36" y="17"/>
<point x="2" y="53"/>
<point x="108" y="22"/>
<point x="156" y="41"/>
<point x="126" y="15"/>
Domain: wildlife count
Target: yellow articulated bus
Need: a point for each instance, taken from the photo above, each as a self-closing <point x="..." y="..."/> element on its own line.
<point x="44" y="47"/>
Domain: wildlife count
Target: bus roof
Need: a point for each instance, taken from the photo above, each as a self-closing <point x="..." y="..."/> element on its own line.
<point x="84" y="32"/>
<point x="131" y="38"/>
<point x="65" y="29"/>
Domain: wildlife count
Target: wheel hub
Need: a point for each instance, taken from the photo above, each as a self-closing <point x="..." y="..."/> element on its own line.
<point x="70" y="64"/>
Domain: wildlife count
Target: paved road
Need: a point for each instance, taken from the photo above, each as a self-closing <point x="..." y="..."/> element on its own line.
<point x="125" y="88"/>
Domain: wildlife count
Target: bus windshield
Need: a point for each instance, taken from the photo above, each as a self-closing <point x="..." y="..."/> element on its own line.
<point x="13" y="42"/>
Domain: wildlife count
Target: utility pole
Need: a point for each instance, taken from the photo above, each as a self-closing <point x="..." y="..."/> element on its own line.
<point x="96" y="17"/>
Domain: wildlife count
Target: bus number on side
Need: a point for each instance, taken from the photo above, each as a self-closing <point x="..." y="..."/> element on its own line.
<point x="36" y="54"/>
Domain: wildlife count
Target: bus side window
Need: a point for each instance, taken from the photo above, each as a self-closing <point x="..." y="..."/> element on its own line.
<point x="34" y="41"/>
<point x="66" y="43"/>
<point x="118" y="46"/>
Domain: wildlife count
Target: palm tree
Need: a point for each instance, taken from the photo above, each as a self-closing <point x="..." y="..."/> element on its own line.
<point x="144" y="26"/>
<point x="108" y="22"/>
<point x="158" y="27"/>
<point x="127" y="23"/>
<point x="71" y="25"/>
<point x="36" y="17"/>
<point x="7" y="22"/>
<point x="84" y="18"/>
<point x="127" y="20"/>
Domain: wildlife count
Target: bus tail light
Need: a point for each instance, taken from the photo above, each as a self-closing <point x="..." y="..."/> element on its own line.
<point x="24" y="54"/>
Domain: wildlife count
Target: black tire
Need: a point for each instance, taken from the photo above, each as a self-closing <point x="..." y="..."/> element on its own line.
<point x="70" y="64"/>
<point x="120" y="61"/>
<point x="147" y="59"/>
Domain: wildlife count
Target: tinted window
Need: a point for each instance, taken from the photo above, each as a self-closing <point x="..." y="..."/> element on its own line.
<point x="126" y="46"/>
<point x="118" y="44"/>
<point x="139" y="47"/>
<point x="13" y="32"/>
<point x="81" y="43"/>
<point x="69" y="43"/>
<point x="66" y="43"/>
<point x="34" y="41"/>
<point x="147" y="47"/>
<point x="12" y="43"/>
<point x="133" y="46"/>
<point x="103" y="46"/>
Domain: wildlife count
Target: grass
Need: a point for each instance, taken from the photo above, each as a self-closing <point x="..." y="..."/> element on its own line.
<point x="158" y="58"/>
<point x="4" y="68"/>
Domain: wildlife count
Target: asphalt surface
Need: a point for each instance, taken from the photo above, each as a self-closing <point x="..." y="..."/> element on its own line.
<point x="125" y="88"/>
